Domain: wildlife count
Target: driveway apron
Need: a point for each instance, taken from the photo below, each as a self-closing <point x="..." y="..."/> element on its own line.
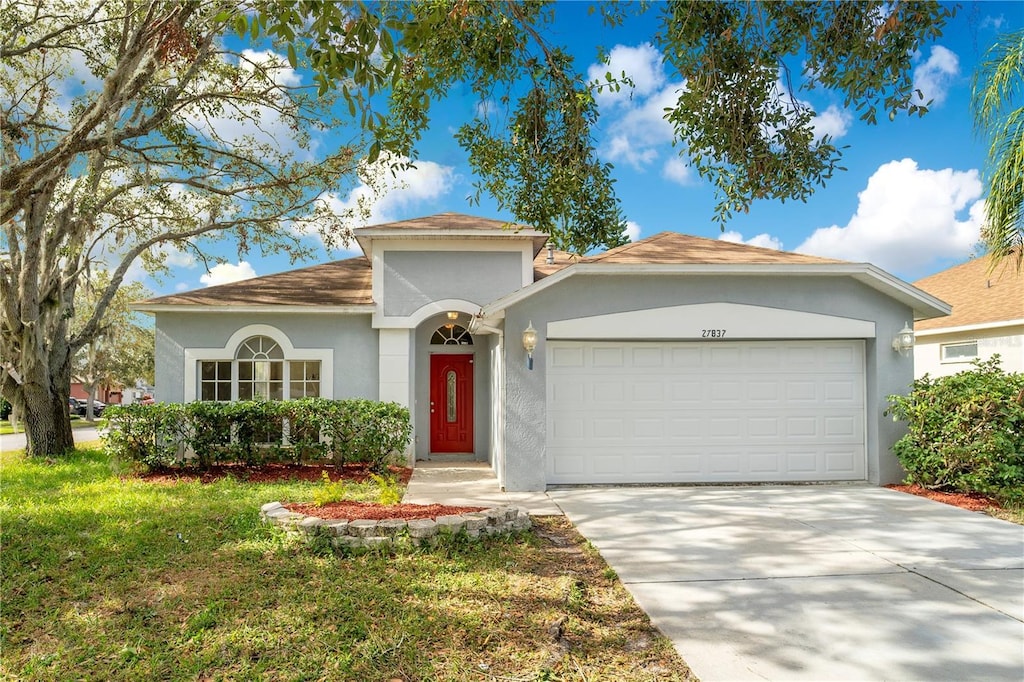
<point x="840" y="582"/>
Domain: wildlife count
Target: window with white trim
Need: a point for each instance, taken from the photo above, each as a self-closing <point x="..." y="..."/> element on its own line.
<point x="261" y="371"/>
<point x="959" y="352"/>
<point x="215" y="380"/>
<point x="305" y="379"/>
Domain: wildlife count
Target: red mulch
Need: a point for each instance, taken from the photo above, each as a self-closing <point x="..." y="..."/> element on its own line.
<point x="272" y="473"/>
<point x="972" y="501"/>
<point x="377" y="512"/>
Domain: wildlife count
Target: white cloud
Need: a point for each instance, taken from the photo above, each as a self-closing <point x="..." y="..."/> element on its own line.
<point x="239" y="122"/>
<point x="834" y="122"/>
<point x="764" y="240"/>
<point x="382" y="196"/>
<point x="934" y="77"/>
<point x="176" y="258"/>
<point x="635" y="153"/>
<point x="225" y="273"/>
<point x="181" y="286"/>
<point x="990" y="21"/>
<point x="634" y="117"/>
<point x="678" y="171"/>
<point x="632" y="231"/>
<point x="642" y="64"/>
<point x="907" y="218"/>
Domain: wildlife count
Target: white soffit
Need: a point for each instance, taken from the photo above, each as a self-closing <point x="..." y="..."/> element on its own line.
<point x="712" y="321"/>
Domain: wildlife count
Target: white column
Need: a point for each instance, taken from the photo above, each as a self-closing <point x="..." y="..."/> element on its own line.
<point x="395" y="345"/>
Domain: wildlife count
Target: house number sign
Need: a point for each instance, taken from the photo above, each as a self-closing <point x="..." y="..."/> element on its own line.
<point x="712" y="333"/>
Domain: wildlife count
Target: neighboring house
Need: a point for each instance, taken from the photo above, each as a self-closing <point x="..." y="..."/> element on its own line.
<point x="987" y="319"/>
<point x="670" y="359"/>
<point x="107" y="394"/>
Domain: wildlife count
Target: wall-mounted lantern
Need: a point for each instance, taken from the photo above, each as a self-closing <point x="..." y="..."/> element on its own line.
<point x="904" y="340"/>
<point x="529" y="343"/>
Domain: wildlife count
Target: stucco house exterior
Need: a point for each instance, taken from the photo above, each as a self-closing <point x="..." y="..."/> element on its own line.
<point x="987" y="318"/>
<point x="670" y="359"/>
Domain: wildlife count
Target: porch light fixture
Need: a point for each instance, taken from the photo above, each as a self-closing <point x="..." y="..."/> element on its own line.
<point x="904" y="340"/>
<point x="529" y="343"/>
<point x="453" y="315"/>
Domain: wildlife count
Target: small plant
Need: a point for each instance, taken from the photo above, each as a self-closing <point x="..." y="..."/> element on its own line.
<point x="329" y="491"/>
<point x="389" y="492"/>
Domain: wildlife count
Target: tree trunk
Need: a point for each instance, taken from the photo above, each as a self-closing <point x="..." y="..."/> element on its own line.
<point x="47" y="427"/>
<point x="44" y="396"/>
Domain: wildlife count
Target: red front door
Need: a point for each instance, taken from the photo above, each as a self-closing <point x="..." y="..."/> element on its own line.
<point x="451" y="403"/>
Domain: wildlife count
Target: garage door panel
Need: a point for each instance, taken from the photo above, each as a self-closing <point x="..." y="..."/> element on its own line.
<point x="779" y="427"/>
<point x="566" y="357"/>
<point x="787" y="411"/>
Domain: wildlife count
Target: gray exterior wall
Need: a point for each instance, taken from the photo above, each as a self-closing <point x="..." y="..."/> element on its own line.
<point x="421" y="388"/>
<point x="354" y="341"/>
<point x="585" y="295"/>
<point x="413" y="279"/>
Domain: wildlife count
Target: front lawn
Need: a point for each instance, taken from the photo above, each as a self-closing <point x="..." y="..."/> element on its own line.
<point x="110" y="578"/>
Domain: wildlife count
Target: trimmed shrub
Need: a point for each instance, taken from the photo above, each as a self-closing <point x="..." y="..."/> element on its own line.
<point x="966" y="431"/>
<point x="254" y="432"/>
<point x="149" y="434"/>
<point x="303" y="426"/>
<point x="208" y="432"/>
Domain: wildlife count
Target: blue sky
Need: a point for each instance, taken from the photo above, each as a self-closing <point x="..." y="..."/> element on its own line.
<point x="910" y="202"/>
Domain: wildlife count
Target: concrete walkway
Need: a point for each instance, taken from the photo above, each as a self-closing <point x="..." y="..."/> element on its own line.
<point x="469" y="484"/>
<point x="815" y="582"/>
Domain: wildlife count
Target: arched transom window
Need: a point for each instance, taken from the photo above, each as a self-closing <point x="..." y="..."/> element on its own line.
<point x="259" y="370"/>
<point x="451" y="335"/>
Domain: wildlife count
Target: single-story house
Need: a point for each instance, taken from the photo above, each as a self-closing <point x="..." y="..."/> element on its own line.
<point x="987" y="318"/>
<point x="670" y="359"/>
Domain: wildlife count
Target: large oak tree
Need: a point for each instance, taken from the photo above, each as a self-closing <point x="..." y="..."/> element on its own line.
<point x="188" y="126"/>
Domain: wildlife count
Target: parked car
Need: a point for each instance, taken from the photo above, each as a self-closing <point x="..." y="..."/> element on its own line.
<point x="79" y="407"/>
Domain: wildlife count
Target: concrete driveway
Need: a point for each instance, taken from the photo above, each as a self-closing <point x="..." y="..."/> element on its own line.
<point x="815" y="582"/>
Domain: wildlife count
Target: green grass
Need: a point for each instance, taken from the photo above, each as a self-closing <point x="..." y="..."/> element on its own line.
<point x="1014" y="514"/>
<point x="120" y="579"/>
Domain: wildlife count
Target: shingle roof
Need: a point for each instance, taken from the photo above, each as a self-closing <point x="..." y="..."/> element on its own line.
<point x="976" y="295"/>
<point x="675" y="248"/>
<point x="446" y="221"/>
<point x="343" y="282"/>
<point x="349" y="282"/>
<point x="541" y="267"/>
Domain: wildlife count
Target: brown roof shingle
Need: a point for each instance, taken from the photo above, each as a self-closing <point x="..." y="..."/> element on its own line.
<point x="349" y="282"/>
<point x="343" y="282"/>
<point x="447" y="221"/>
<point x="976" y="295"/>
<point x="673" y="248"/>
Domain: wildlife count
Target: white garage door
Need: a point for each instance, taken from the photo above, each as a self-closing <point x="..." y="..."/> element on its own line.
<point x="661" y="412"/>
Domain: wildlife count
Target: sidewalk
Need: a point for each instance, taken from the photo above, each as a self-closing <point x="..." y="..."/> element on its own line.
<point x="470" y="484"/>
<point x="16" y="441"/>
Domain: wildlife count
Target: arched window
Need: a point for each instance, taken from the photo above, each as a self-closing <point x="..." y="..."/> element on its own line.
<point x="260" y="369"/>
<point x="451" y="335"/>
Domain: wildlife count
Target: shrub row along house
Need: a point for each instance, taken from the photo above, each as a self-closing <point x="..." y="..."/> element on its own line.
<point x="670" y="359"/>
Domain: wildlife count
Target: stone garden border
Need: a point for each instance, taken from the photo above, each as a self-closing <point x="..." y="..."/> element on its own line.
<point x="387" y="533"/>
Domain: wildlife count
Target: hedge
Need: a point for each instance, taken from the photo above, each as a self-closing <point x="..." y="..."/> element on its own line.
<point x="965" y="432"/>
<point x="255" y="432"/>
